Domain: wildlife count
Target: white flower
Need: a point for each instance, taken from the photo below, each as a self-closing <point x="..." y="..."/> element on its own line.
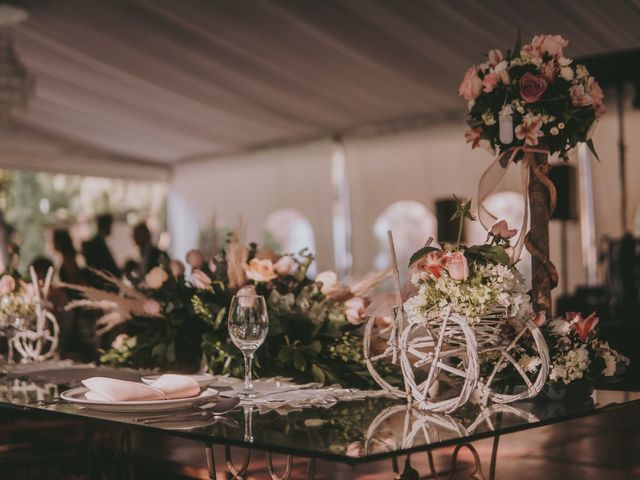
<point x="610" y="364"/>
<point x="554" y="131"/>
<point x="329" y="282"/>
<point x="564" y="61"/>
<point x="488" y="118"/>
<point x="567" y="73"/>
<point x="581" y="72"/>
<point x="560" y="327"/>
<point x="286" y="265"/>
<point x="529" y="364"/>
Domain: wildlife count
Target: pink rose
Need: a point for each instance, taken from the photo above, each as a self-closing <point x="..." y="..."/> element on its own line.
<point x="151" y="307"/>
<point x="583" y="326"/>
<point x="195" y="259"/>
<point x="552" y="44"/>
<point x="490" y="81"/>
<point x="471" y="85"/>
<point x="458" y="267"/>
<point x="532" y="87"/>
<point x="200" y="280"/>
<point x="286" y="265"/>
<point x="156" y="278"/>
<point x="260" y="270"/>
<point x="176" y="267"/>
<point x="354" y="310"/>
<point x="495" y="57"/>
<point x="501" y="229"/>
<point x="472" y="136"/>
<point x="529" y="131"/>
<point x="7" y="285"/>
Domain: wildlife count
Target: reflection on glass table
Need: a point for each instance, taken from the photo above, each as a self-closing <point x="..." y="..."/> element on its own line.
<point x="350" y="432"/>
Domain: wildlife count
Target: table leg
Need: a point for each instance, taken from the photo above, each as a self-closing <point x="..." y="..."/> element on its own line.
<point x="237" y="472"/>
<point x="211" y="462"/>
<point x="494" y="458"/>
<point x="477" y="473"/>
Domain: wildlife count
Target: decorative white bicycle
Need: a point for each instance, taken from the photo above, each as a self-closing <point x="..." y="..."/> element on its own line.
<point x="439" y="356"/>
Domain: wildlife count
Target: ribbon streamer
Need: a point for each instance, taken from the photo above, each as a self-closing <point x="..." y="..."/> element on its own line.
<point x="491" y="179"/>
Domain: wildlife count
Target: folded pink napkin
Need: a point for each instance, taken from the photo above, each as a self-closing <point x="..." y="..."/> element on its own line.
<point x="166" y="387"/>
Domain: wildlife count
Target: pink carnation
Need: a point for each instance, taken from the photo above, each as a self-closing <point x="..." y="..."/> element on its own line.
<point x="471" y="85"/>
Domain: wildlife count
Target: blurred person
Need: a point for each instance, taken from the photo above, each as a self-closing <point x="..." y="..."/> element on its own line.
<point x="131" y="271"/>
<point x="69" y="271"/>
<point x="150" y="255"/>
<point x="96" y="252"/>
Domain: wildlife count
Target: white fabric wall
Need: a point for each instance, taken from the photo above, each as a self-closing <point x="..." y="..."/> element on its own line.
<point x="254" y="185"/>
<point x="420" y="165"/>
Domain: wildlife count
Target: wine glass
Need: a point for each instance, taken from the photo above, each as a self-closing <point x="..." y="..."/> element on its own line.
<point x="248" y="327"/>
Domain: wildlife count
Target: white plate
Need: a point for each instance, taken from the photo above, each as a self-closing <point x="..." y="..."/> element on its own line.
<point x="203" y="379"/>
<point x="76" y="395"/>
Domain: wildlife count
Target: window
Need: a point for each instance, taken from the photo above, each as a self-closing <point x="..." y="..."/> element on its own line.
<point x="411" y="223"/>
<point x="288" y="231"/>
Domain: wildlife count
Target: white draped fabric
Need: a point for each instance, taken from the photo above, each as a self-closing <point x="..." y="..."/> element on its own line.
<point x="165" y="82"/>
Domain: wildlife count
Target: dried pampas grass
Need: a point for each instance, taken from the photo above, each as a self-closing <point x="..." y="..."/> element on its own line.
<point x="236" y="256"/>
<point x="117" y="307"/>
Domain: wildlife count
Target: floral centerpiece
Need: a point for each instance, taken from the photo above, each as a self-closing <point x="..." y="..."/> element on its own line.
<point x="474" y="280"/>
<point x="579" y="357"/>
<point x="176" y="319"/>
<point x="524" y="105"/>
<point x="546" y="96"/>
<point x="16" y="298"/>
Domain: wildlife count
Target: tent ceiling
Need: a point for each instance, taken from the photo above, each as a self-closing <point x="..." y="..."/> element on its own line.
<point x="165" y="81"/>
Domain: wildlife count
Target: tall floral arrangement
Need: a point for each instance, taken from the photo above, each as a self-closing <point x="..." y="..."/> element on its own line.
<point x="178" y="317"/>
<point x="530" y="96"/>
<point x="525" y="104"/>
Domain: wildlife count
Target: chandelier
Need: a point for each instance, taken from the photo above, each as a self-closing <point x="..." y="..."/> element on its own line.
<point x="17" y="84"/>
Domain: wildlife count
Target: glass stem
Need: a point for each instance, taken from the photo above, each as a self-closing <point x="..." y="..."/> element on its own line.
<point x="248" y="363"/>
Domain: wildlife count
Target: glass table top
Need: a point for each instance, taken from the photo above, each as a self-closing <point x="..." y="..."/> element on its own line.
<point x="351" y="432"/>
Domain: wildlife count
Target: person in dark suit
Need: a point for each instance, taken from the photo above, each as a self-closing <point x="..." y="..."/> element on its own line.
<point x="96" y="252"/>
<point x="150" y="255"/>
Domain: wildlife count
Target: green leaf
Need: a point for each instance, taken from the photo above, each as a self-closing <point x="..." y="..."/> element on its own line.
<point x="318" y="373"/>
<point x="421" y="253"/>
<point x="284" y="355"/>
<point x="592" y="148"/>
<point x="488" y="254"/>
<point x="315" y="347"/>
<point x="518" y="46"/>
<point x="220" y="317"/>
<point x="171" y="352"/>
<point x="299" y="361"/>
